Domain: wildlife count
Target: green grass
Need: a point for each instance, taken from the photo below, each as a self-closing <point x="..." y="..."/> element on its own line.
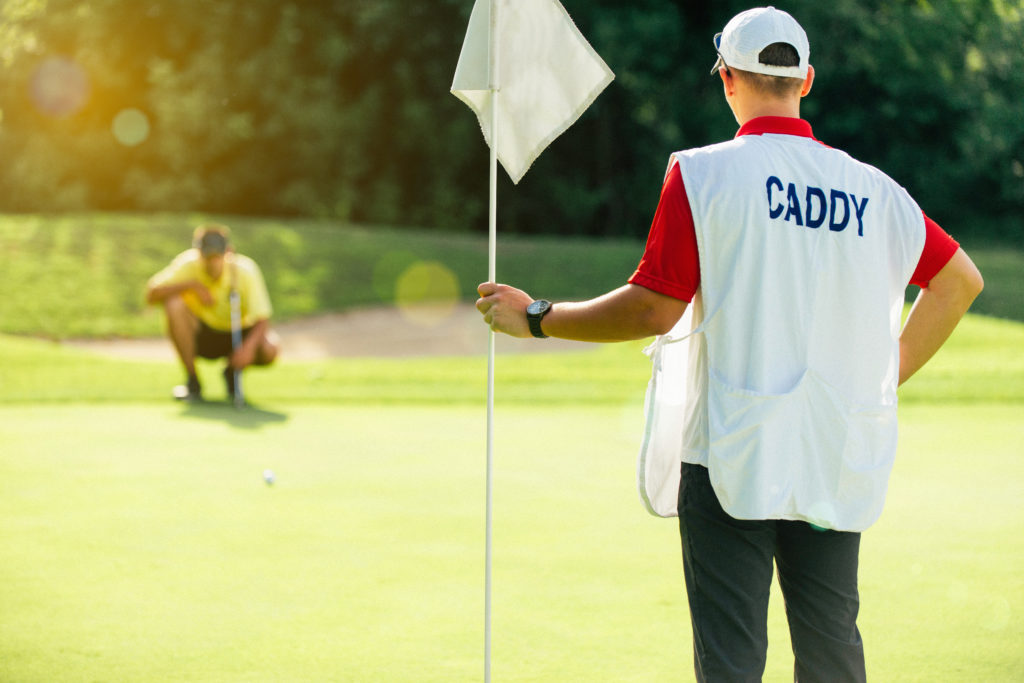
<point x="941" y="575"/>
<point x="138" y="541"/>
<point x="84" y="275"/>
<point x="981" y="363"/>
<point x="174" y="561"/>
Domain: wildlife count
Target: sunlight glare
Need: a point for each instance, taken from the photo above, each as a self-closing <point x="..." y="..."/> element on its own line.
<point x="59" y="87"/>
<point x="130" y="127"/>
<point x="426" y="293"/>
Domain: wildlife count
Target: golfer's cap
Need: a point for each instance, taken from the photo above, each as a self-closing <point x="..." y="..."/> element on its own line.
<point x="746" y="34"/>
<point x="210" y="242"/>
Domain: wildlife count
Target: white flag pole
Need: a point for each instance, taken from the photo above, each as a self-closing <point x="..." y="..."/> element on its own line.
<point x="492" y="241"/>
<point x="547" y="89"/>
<point x="490" y="404"/>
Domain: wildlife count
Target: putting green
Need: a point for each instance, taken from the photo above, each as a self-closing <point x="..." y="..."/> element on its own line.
<point x="140" y="542"/>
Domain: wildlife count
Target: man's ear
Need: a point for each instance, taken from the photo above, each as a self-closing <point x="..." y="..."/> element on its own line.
<point x="808" y="82"/>
<point x="728" y="80"/>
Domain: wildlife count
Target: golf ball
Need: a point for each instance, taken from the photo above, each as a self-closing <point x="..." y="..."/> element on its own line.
<point x="268" y="476"/>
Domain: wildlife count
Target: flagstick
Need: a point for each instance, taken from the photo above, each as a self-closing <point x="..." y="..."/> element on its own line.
<point x="491" y="277"/>
<point x="492" y="258"/>
<point x="492" y="252"/>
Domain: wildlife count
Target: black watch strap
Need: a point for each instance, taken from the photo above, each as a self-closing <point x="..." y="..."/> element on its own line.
<point x="535" y="312"/>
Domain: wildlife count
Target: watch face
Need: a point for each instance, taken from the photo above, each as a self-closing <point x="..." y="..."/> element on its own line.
<point x="538" y="307"/>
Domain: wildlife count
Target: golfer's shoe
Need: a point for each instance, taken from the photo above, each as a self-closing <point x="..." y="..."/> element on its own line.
<point x="188" y="392"/>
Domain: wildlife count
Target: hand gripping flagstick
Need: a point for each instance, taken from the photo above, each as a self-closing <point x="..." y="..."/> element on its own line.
<point x="544" y="84"/>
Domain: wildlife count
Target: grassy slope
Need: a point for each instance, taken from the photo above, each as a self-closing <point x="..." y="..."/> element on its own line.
<point x="83" y="275"/>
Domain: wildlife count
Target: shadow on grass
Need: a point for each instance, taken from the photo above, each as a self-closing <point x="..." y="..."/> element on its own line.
<point x="249" y="417"/>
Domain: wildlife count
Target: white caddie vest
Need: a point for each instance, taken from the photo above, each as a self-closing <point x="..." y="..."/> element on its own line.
<point x="787" y="389"/>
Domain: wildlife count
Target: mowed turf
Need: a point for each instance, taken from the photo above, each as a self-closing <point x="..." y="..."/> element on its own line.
<point x="138" y="540"/>
<point x="141" y="543"/>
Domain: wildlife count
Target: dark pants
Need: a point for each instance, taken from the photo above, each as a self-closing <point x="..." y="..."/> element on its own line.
<point x="213" y="344"/>
<point x="728" y="568"/>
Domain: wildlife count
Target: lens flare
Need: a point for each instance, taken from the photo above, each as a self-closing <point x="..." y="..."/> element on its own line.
<point x="59" y="87"/>
<point x="388" y="269"/>
<point x="426" y="293"/>
<point x="130" y="127"/>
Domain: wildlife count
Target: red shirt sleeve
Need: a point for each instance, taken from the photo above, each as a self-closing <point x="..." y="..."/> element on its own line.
<point x="670" y="264"/>
<point x="939" y="248"/>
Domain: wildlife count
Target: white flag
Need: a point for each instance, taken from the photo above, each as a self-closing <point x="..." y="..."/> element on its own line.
<point x="547" y="75"/>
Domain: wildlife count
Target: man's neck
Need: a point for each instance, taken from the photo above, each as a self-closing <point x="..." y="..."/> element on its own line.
<point x="761" y="108"/>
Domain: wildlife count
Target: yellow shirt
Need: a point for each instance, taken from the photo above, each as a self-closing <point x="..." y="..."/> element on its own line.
<point x="255" y="300"/>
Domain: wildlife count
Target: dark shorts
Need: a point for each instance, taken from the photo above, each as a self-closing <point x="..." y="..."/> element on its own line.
<point x="211" y="343"/>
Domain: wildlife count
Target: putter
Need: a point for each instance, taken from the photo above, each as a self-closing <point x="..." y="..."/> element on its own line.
<point x="236" y="340"/>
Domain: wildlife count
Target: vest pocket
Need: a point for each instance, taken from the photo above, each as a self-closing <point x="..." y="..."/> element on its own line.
<point x="804" y="454"/>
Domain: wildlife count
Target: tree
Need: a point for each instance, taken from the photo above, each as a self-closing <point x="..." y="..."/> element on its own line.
<point x="341" y="109"/>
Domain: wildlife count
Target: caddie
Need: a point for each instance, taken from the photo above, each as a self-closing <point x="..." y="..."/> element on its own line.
<point x="773" y="400"/>
<point x="194" y="290"/>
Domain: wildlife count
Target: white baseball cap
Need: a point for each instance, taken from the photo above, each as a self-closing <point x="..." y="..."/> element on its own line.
<point x="746" y="34"/>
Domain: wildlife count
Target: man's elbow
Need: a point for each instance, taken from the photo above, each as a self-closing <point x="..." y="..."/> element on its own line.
<point x="659" y="320"/>
<point x="976" y="283"/>
<point x="959" y="282"/>
<point x="649" y="313"/>
<point x="659" y="326"/>
<point x="971" y="284"/>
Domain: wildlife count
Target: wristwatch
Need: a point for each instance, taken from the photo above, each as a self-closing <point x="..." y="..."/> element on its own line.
<point x="535" y="312"/>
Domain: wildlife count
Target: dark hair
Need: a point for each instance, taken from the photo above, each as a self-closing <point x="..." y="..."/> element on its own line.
<point x="211" y="238"/>
<point x="779" y="54"/>
<point x="776" y="54"/>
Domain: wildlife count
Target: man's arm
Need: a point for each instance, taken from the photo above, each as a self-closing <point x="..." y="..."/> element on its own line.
<point x="937" y="310"/>
<point x="629" y="312"/>
<point x="157" y="294"/>
<point x="245" y="355"/>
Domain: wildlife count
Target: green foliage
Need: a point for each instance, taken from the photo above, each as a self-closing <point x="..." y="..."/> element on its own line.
<point x="341" y="110"/>
<point x="257" y="108"/>
<point x="928" y="92"/>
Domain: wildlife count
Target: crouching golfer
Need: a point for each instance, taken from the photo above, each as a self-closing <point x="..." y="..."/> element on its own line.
<point x="195" y="291"/>
<point x="794" y="257"/>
